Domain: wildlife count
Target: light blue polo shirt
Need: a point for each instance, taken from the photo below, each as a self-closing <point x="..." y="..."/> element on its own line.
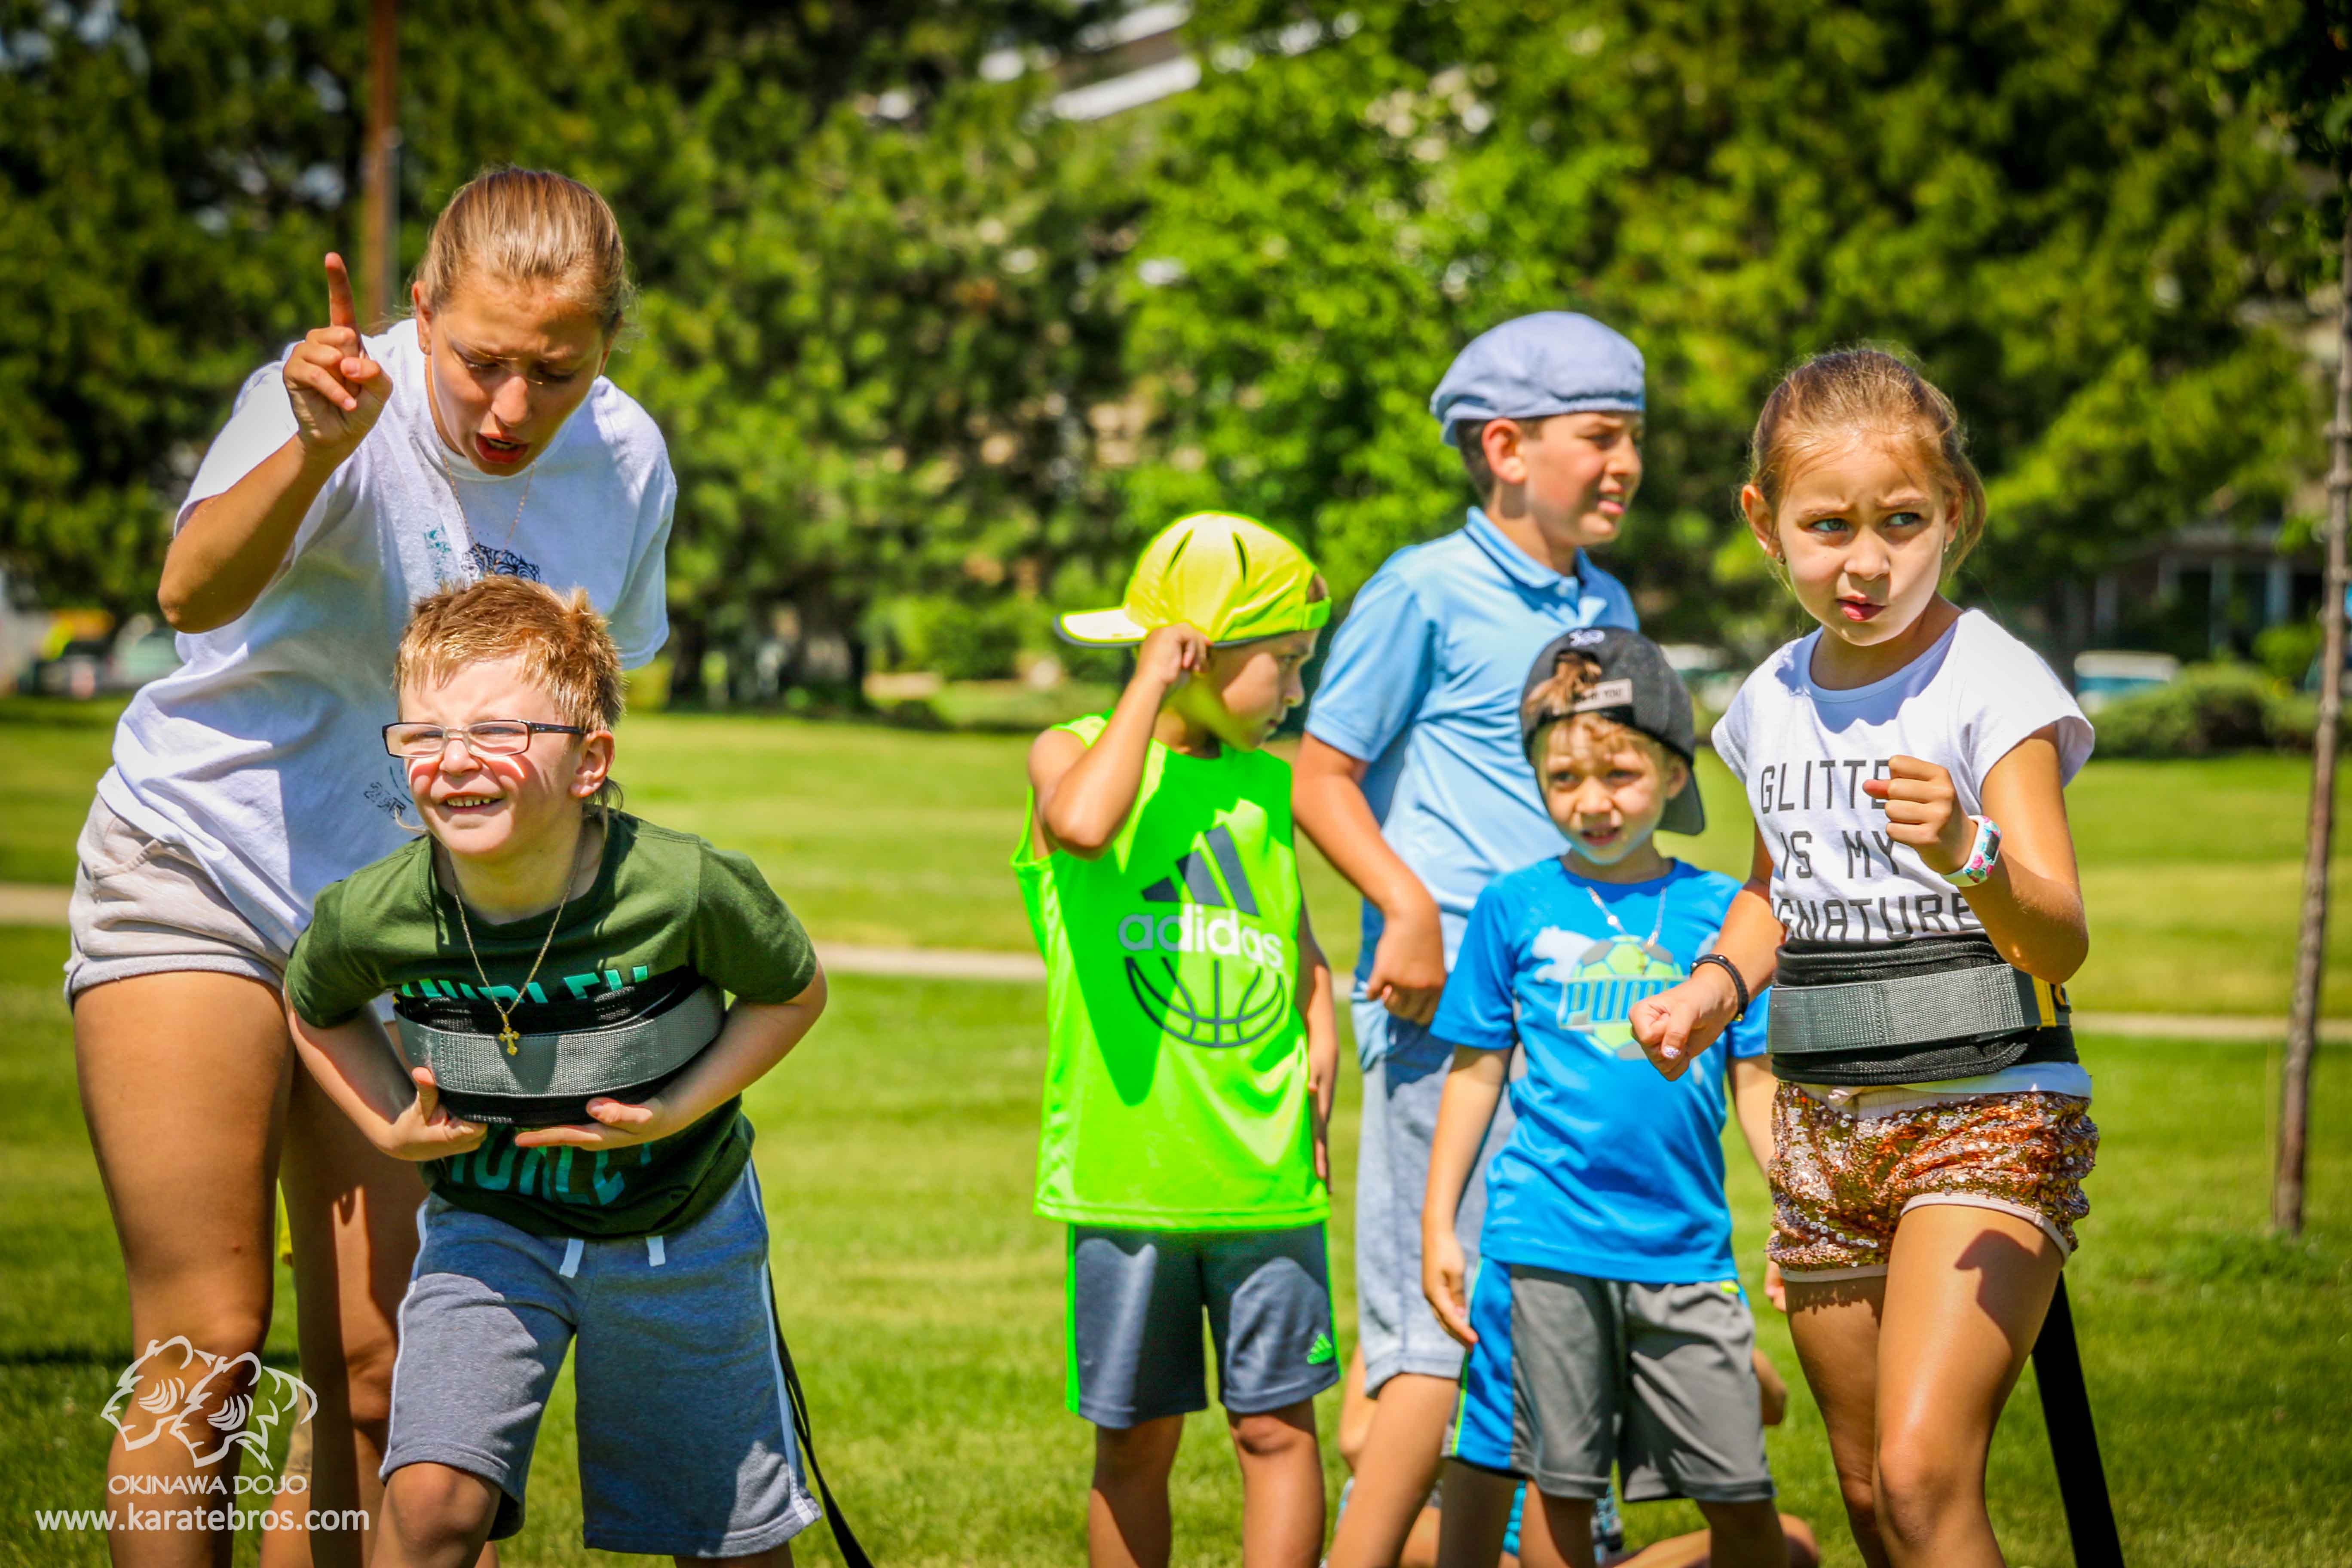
<point x="1423" y="684"/>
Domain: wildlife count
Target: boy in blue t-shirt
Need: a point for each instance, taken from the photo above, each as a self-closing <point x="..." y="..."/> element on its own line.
<point x="1607" y="1329"/>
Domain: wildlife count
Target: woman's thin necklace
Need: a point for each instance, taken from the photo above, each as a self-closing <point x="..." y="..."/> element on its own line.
<point x="508" y="1036"/>
<point x="441" y="450"/>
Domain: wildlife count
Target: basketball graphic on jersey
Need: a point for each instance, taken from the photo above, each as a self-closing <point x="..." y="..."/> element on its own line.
<point x="1198" y="962"/>
<point x="1600" y="982"/>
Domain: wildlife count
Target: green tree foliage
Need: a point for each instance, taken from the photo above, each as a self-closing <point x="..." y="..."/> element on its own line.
<point x="910" y="335"/>
<point x="2041" y="199"/>
<point x="167" y="172"/>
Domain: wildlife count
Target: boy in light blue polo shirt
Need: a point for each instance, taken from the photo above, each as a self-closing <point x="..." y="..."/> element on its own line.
<point x="1412" y="781"/>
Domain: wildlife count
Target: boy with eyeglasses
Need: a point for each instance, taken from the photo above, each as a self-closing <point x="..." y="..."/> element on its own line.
<point x="570" y="1078"/>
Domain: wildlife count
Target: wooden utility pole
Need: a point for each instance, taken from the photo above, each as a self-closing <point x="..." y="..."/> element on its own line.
<point x="380" y="217"/>
<point x="2310" y="954"/>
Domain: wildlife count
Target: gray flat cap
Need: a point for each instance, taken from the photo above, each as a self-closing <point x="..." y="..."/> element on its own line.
<point x="1554" y="362"/>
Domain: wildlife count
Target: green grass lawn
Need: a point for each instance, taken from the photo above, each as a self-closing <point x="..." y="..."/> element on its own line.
<point x="924" y="1299"/>
<point x="924" y="1302"/>
<point x="2191" y="870"/>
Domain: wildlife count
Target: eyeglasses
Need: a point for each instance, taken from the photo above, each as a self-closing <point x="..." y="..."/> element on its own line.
<point x="490" y="737"/>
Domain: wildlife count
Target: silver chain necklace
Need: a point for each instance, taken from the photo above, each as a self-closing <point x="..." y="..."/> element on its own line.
<point x="1651" y="945"/>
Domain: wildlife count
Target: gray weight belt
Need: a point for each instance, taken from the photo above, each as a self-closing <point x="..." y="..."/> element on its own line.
<point x="548" y="1079"/>
<point x="1910" y="1010"/>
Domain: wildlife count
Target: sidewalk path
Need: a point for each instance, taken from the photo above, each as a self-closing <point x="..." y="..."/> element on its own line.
<point x="23" y="904"/>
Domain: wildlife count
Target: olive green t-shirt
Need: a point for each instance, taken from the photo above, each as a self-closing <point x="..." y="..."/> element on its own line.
<point x="666" y="913"/>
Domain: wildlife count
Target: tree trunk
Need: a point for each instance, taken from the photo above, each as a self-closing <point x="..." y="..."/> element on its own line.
<point x="379" y="268"/>
<point x="2310" y="957"/>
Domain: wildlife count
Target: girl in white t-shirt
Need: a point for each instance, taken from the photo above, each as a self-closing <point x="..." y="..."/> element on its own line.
<point x="1905" y="765"/>
<point x="357" y="476"/>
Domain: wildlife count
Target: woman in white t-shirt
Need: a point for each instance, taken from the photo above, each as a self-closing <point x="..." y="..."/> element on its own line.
<point x="356" y="475"/>
<point x="1906" y="764"/>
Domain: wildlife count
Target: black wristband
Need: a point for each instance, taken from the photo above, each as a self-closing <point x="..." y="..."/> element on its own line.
<point x="1738" y="983"/>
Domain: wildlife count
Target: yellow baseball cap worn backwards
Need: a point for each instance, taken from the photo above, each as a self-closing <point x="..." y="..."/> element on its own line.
<point x="1233" y="577"/>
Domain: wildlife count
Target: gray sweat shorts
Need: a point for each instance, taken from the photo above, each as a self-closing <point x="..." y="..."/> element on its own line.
<point x="1135" y="1298"/>
<point x="1395" y="1330"/>
<point x="684" y="1427"/>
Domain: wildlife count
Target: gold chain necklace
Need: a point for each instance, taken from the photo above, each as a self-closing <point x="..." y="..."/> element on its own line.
<point x="508" y="1036"/>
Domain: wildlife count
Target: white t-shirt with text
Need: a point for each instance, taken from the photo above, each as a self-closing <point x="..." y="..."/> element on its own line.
<point x="262" y="755"/>
<point x="1802" y="752"/>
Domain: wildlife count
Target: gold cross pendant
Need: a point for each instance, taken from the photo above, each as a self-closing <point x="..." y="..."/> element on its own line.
<point x="510" y="1039"/>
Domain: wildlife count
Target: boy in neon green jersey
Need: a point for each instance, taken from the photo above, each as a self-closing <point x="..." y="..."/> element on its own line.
<point x="1193" y="1042"/>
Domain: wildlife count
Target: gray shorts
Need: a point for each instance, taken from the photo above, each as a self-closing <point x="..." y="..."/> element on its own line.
<point x="1573" y="1375"/>
<point x="1134" y="1322"/>
<point x="684" y="1429"/>
<point x="143" y="906"/>
<point x="1395" y="1330"/>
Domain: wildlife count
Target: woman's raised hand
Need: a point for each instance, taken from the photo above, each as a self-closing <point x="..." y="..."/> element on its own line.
<point x="337" y="391"/>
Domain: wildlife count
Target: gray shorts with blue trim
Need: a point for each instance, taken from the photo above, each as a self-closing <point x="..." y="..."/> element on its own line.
<point x="1573" y="1376"/>
<point x="685" y="1428"/>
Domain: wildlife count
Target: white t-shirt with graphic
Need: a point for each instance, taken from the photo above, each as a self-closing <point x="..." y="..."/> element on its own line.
<point x="1802" y="753"/>
<point x="262" y="754"/>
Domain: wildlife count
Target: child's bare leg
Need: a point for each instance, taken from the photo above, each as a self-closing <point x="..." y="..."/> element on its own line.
<point x="1556" y="1531"/>
<point x="1966" y="1290"/>
<point x="1127" y="1509"/>
<point x="435" y="1516"/>
<point x="1356" y="1408"/>
<point x="1835" y="1324"/>
<point x="1693" y="1550"/>
<point x="1395" y="1471"/>
<point x="773" y="1557"/>
<point x="1282" y="1486"/>
<point x="1475" y="1518"/>
<point x="1744" y="1535"/>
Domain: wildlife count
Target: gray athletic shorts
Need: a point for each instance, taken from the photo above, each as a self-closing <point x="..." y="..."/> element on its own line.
<point x="143" y="906"/>
<point x="1134" y="1322"/>
<point x="1395" y="1330"/>
<point x="686" y="1435"/>
<point x="1573" y="1375"/>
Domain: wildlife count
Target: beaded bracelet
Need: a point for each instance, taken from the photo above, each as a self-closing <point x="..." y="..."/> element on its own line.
<point x="1738" y="982"/>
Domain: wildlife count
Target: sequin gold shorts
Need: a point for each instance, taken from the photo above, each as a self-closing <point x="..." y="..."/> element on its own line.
<point x="1840" y="1181"/>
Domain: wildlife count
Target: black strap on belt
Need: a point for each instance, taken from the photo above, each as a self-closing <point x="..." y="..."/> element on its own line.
<point x="2073" y="1445"/>
<point x="845" y="1540"/>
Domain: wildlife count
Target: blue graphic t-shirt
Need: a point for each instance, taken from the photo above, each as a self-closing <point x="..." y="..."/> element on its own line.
<point x="1612" y="1171"/>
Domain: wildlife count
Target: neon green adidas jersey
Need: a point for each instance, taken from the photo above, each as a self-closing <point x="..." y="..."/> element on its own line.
<point x="1176" y="1094"/>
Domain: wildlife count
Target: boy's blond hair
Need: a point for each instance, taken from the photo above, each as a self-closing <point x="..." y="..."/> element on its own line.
<point x="562" y="644"/>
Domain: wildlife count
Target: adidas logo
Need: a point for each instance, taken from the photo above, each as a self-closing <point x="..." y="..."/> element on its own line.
<point x="1198" y="880"/>
<point x="1321" y="1351"/>
<point x="1194" y="887"/>
<point x="1215" y="914"/>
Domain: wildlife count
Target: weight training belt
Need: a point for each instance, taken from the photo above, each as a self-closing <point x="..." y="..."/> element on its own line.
<point x="549" y="1077"/>
<point x="1853" y="1015"/>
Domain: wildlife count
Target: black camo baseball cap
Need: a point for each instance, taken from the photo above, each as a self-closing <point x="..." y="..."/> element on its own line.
<point x="1637" y="688"/>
